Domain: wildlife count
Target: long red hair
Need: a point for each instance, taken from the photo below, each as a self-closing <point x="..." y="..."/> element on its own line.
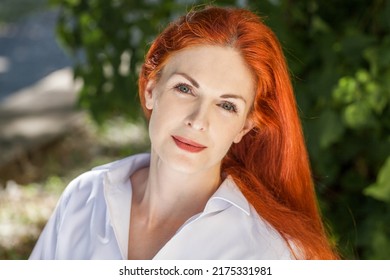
<point x="270" y="164"/>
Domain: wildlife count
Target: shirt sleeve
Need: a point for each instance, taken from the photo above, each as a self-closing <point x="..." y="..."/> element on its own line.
<point x="46" y="246"/>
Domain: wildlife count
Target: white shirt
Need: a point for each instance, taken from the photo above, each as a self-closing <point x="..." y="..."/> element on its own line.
<point x="91" y="221"/>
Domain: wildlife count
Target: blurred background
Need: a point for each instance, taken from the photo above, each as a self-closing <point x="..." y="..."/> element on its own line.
<point x="68" y="102"/>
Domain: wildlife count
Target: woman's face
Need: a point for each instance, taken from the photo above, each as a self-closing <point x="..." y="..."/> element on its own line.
<point x="199" y="107"/>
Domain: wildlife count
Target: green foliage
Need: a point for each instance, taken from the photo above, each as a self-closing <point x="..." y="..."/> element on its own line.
<point x="339" y="55"/>
<point x="104" y="38"/>
<point x="381" y="188"/>
<point x="12" y="12"/>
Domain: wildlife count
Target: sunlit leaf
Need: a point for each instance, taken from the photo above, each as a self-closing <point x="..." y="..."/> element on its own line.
<point x="331" y="128"/>
<point x="381" y="188"/>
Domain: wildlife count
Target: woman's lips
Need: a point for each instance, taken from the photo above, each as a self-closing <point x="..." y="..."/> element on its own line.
<point x="188" y="145"/>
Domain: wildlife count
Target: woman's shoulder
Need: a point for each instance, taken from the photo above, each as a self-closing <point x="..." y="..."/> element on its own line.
<point x="90" y="184"/>
<point x="84" y="188"/>
<point x="250" y="231"/>
<point x="265" y="242"/>
<point x="269" y="242"/>
<point x="118" y="170"/>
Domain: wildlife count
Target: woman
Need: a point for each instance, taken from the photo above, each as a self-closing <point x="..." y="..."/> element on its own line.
<point x="228" y="175"/>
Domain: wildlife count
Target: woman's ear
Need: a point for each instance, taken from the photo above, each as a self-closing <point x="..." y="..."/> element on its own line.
<point x="249" y="124"/>
<point x="149" y="96"/>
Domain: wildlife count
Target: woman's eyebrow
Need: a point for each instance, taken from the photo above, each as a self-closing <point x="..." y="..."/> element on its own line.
<point x="189" y="78"/>
<point x="196" y="84"/>
<point x="233" y="96"/>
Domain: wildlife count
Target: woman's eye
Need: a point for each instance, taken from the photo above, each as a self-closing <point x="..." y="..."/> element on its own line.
<point x="183" y="88"/>
<point x="228" y="106"/>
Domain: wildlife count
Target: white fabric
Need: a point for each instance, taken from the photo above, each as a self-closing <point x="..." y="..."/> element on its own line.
<point x="91" y="221"/>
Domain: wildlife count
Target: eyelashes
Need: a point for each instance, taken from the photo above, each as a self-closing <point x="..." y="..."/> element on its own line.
<point x="229" y="106"/>
<point x="183" y="88"/>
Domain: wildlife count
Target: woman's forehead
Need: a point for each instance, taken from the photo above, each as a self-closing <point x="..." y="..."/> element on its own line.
<point x="213" y="60"/>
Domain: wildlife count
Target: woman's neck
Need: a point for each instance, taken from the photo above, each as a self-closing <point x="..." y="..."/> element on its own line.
<point x="163" y="193"/>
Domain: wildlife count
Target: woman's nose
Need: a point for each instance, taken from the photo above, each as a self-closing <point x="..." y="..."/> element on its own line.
<point x="199" y="117"/>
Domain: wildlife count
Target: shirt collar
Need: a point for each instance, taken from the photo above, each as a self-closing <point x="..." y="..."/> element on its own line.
<point x="120" y="171"/>
<point x="118" y="195"/>
<point x="117" y="192"/>
<point x="226" y="195"/>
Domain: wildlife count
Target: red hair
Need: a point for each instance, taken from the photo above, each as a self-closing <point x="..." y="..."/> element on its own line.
<point x="270" y="165"/>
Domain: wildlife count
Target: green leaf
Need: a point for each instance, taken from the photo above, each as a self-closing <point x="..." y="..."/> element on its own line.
<point x="357" y="115"/>
<point x="346" y="90"/>
<point x="331" y="128"/>
<point x="381" y="189"/>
